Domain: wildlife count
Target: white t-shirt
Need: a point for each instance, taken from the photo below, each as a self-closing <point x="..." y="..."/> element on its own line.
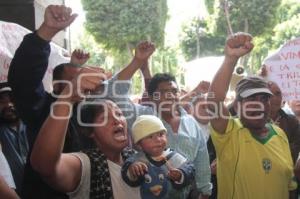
<point x="120" y="189"/>
<point x="5" y="171"/>
<point x="205" y="130"/>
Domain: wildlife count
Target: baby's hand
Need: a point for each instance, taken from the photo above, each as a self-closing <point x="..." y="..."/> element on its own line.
<point x="137" y="169"/>
<point x="175" y="175"/>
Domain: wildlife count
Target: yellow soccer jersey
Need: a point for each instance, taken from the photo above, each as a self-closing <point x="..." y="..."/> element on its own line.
<point x="249" y="168"/>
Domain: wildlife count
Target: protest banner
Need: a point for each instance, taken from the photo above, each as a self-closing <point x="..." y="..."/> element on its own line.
<point x="283" y="67"/>
<point x="11" y="35"/>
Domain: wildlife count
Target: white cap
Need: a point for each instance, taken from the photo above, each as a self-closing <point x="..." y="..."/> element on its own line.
<point x="145" y="125"/>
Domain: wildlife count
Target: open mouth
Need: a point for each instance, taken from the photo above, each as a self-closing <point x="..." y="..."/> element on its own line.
<point x="120" y="134"/>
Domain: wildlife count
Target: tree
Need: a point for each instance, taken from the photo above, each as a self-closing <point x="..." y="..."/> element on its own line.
<point x="253" y="16"/>
<point x="209" y="4"/>
<point x="194" y="43"/>
<point x="87" y="43"/>
<point x="287" y="28"/>
<point x="164" y="60"/>
<point x="119" y="25"/>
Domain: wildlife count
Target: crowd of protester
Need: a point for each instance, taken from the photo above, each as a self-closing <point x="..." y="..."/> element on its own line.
<point x="88" y="139"/>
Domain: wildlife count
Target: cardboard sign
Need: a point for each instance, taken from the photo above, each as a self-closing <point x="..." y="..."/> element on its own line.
<point x="11" y="35"/>
<point x="283" y="67"/>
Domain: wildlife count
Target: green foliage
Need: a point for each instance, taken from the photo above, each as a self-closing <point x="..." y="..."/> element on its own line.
<point x="288" y="17"/>
<point x="163" y="61"/>
<point x="209" y="4"/>
<point x="210" y="44"/>
<point x="288" y="27"/>
<point x="256" y="16"/>
<point x="285" y="31"/>
<point x="253" y="15"/>
<point x="288" y="9"/>
<point x="259" y="53"/>
<point x="166" y="60"/>
<point x="119" y="25"/>
<point x="271" y="22"/>
<point x="87" y="43"/>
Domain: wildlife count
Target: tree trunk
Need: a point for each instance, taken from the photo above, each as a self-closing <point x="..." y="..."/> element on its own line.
<point x="130" y="49"/>
<point x="198" y="44"/>
<point x="244" y="60"/>
<point x="246" y="29"/>
<point x="226" y="11"/>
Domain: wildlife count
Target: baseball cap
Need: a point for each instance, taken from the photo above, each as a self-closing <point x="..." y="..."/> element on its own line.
<point x="251" y="85"/>
<point x="4" y="87"/>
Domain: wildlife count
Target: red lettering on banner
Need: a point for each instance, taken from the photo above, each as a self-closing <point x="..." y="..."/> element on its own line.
<point x="293" y="43"/>
<point x="290" y="55"/>
<point x="285" y="57"/>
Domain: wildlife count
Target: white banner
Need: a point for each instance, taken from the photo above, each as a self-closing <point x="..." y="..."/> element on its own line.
<point x="11" y="35"/>
<point x="283" y="67"/>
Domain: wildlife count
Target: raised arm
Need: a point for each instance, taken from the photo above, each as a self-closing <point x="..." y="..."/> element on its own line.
<point x="147" y="77"/>
<point x="236" y="46"/>
<point x="142" y="53"/>
<point x="194" y="102"/>
<point x="56" y="18"/>
<point x="146" y="73"/>
<point x="62" y="171"/>
<point x="200" y="89"/>
<point x="79" y="57"/>
<point x="30" y="63"/>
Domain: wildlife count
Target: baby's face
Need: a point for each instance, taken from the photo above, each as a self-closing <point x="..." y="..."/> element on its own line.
<point x="154" y="144"/>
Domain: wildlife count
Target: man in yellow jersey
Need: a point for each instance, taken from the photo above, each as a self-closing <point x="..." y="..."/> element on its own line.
<point x="253" y="156"/>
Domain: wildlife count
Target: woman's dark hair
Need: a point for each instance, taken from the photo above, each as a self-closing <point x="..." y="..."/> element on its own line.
<point x="157" y="79"/>
<point x="88" y="112"/>
<point x="59" y="70"/>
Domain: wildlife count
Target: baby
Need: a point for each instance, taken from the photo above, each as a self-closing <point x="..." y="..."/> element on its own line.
<point x="156" y="169"/>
